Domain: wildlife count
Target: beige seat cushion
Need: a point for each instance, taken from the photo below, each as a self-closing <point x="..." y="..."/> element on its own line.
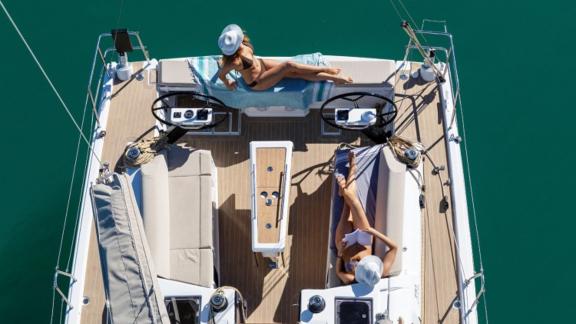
<point x="178" y="214"/>
<point x="156" y="212"/>
<point x="195" y="266"/>
<point x="175" y="73"/>
<point x="374" y="71"/>
<point x="187" y="162"/>
<point x="190" y="212"/>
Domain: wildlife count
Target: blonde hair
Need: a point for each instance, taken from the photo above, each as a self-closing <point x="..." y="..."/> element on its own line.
<point x="226" y="59"/>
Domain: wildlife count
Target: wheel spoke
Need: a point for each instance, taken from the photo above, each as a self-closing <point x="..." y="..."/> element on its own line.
<point x="393" y="112"/>
<point x="161" y="108"/>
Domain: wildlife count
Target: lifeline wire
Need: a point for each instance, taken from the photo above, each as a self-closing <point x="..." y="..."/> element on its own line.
<point x="49" y="81"/>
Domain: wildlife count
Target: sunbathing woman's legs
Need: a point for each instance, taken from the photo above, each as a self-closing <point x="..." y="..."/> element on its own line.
<point x="321" y="76"/>
<point x="344" y="227"/>
<point x="348" y="189"/>
<point x="276" y="71"/>
<point x="299" y="68"/>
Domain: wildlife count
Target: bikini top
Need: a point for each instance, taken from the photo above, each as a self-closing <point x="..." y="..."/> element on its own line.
<point x="247" y="63"/>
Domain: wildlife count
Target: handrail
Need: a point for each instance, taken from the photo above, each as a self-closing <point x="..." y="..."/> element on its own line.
<point x="64" y="298"/>
<point x="101" y="65"/>
<point x="450" y="67"/>
<point x="102" y="53"/>
<point x="480" y="293"/>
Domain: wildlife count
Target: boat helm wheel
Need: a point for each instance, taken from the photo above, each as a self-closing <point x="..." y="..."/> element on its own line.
<point x="386" y="110"/>
<point x="162" y="108"/>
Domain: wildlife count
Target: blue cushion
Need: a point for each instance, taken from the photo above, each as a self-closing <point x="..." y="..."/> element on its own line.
<point x="293" y="93"/>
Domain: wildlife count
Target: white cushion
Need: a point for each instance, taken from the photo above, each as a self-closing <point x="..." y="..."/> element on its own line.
<point x="389" y="218"/>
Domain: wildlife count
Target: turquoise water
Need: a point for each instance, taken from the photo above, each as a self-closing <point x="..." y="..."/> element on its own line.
<point x="516" y="68"/>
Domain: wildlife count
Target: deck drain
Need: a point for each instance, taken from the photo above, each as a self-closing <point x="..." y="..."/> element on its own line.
<point x="268" y="202"/>
<point x="264" y="194"/>
<point x="85" y="300"/>
<point x="268" y="226"/>
<point x="269" y="169"/>
<point x="456" y="304"/>
<point x="275" y="194"/>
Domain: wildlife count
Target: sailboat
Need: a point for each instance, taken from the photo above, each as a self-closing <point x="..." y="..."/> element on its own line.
<point x="204" y="205"/>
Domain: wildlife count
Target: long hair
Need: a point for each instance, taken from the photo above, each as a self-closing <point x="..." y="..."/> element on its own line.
<point x="226" y="59"/>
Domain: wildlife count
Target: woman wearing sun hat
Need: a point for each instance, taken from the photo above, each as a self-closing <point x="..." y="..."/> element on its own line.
<point x="259" y="73"/>
<point x="354" y="236"/>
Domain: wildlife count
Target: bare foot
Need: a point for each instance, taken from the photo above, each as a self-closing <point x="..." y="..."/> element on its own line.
<point x="347" y="187"/>
<point x="333" y="71"/>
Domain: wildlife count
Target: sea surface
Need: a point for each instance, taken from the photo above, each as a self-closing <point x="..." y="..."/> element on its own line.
<point x="517" y="70"/>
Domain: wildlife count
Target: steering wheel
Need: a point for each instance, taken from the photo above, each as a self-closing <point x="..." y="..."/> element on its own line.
<point x="383" y="117"/>
<point x="200" y="101"/>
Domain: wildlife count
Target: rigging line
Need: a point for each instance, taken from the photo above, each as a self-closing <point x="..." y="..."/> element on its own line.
<point x="68" y="209"/>
<point x="52" y="308"/>
<point x="93" y="118"/>
<point x="473" y="203"/>
<point x="411" y="19"/>
<point x="79" y="205"/>
<point x="48" y="79"/>
<point x="70" y="189"/>
<point x="396" y="9"/>
<point x="120" y="12"/>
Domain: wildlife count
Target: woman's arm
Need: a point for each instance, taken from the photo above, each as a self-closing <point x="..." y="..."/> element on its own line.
<point x="390" y="256"/>
<point x="346" y="278"/>
<point x="388" y="241"/>
<point x="341" y="229"/>
<point x="231" y="85"/>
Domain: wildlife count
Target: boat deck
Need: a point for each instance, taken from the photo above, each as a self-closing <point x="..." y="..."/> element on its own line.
<point x="273" y="294"/>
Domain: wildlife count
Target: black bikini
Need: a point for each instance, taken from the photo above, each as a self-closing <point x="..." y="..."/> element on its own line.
<point x="262" y="69"/>
<point x="248" y="63"/>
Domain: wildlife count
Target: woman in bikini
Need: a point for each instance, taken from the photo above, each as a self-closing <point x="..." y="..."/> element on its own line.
<point x="261" y="74"/>
<point x="354" y="237"/>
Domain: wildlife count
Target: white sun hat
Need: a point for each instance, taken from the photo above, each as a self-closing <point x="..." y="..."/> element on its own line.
<point x="230" y="39"/>
<point x="369" y="270"/>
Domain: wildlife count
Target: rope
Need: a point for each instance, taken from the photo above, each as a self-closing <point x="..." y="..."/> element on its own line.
<point x="148" y="148"/>
<point x="71" y="117"/>
<point x="399" y="146"/>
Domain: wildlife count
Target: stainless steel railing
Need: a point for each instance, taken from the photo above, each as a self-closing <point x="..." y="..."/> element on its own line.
<point x="450" y="68"/>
